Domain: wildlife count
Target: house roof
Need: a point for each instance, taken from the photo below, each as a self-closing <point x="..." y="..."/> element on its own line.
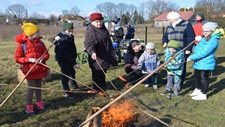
<point x="186" y="15"/>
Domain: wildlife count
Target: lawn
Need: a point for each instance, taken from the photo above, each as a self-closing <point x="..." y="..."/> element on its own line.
<point x="178" y="112"/>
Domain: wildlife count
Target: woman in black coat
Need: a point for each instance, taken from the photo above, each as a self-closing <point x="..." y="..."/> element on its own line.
<point x="99" y="48"/>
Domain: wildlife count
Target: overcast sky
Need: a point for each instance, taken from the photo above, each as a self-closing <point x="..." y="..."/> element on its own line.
<point x="47" y="7"/>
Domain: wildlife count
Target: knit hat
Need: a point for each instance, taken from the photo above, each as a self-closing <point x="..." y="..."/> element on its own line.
<point x="150" y="45"/>
<point x="116" y="20"/>
<point x="201" y="14"/>
<point x="29" y="29"/>
<point x="96" y="16"/>
<point x="173" y="44"/>
<point x="66" y="25"/>
<point x="133" y="43"/>
<point x="210" y="25"/>
<point x="173" y="16"/>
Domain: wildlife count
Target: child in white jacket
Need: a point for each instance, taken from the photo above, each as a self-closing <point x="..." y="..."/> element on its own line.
<point x="148" y="62"/>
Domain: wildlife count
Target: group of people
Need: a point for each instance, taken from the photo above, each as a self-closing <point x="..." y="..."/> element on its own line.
<point x="140" y="60"/>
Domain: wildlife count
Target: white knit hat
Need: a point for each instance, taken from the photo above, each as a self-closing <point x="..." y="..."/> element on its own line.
<point x="210" y="25"/>
<point x="150" y="45"/>
<point x="173" y="16"/>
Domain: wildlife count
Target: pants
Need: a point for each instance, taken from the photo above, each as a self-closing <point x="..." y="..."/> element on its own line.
<point x="67" y="69"/>
<point x="119" y="57"/>
<point x="134" y="76"/>
<point x="151" y="79"/>
<point x="184" y="71"/>
<point x="170" y="83"/>
<point x="31" y="91"/>
<point x="202" y="80"/>
<point x="99" y="78"/>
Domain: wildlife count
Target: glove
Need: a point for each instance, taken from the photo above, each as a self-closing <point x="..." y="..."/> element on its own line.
<point x="41" y="60"/>
<point x="198" y="38"/>
<point x="126" y="65"/>
<point x="93" y="56"/>
<point x="32" y="60"/>
<point x="188" y="59"/>
<point x="164" y="45"/>
<point x="187" y="52"/>
<point x="57" y="38"/>
<point x="139" y="68"/>
<point x="76" y="66"/>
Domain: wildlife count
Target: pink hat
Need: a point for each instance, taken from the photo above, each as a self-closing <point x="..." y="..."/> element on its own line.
<point x="96" y="16"/>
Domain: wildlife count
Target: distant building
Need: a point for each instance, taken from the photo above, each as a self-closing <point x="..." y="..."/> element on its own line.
<point x="161" y="20"/>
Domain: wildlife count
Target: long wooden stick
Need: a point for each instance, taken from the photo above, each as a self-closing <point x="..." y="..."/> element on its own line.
<point x="39" y="88"/>
<point x="131" y="88"/>
<point x="25" y="76"/>
<point x="154" y="117"/>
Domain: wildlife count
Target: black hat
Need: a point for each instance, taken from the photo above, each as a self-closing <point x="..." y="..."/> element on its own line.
<point x="134" y="43"/>
<point x="116" y="20"/>
<point x="201" y="14"/>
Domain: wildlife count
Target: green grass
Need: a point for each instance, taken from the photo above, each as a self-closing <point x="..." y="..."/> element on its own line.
<point x="178" y="112"/>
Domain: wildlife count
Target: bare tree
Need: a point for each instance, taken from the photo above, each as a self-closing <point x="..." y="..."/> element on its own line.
<point x="131" y="8"/>
<point x="37" y="15"/>
<point x="121" y="9"/>
<point x="160" y="6"/>
<point x="142" y="9"/>
<point x="75" y="10"/>
<point x="17" y="11"/>
<point x="52" y="19"/>
<point x="107" y="9"/>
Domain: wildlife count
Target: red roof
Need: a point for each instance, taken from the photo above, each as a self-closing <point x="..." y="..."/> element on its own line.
<point x="186" y="15"/>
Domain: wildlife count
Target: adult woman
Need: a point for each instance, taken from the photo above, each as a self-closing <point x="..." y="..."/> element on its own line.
<point x="131" y="61"/>
<point x="99" y="48"/>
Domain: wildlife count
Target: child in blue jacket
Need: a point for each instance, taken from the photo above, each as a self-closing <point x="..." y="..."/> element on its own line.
<point x="204" y="60"/>
<point x="174" y="69"/>
<point x="148" y="62"/>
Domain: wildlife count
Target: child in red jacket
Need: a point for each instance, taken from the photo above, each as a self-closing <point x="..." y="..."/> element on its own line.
<point x="29" y="51"/>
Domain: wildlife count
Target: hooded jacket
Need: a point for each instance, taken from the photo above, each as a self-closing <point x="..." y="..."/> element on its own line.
<point x="132" y="58"/>
<point x="33" y="50"/>
<point x="176" y="65"/>
<point x="148" y="62"/>
<point x="97" y="40"/>
<point x="204" y="53"/>
<point x="65" y="49"/>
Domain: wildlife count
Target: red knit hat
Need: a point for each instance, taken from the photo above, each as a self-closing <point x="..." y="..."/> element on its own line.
<point x="96" y="16"/>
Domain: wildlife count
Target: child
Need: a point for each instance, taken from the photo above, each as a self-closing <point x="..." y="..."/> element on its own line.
<point x="204" y="60"/>
<point x="28" y="51"/>
<point x="65" y="55"/>
<point x="148" y="62"/>
<point x="174" y="69"/>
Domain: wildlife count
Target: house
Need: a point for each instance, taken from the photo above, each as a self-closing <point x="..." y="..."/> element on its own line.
<point x="161" y="20"/>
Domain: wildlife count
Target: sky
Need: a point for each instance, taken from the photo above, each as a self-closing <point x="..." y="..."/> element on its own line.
<point x="47" y="7"/>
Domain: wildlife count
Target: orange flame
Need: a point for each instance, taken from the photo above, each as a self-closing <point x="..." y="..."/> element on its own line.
<point x="119" y="115"/>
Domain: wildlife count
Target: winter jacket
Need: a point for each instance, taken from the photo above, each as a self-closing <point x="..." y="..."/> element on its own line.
<point x="130" y="33"/>
<point x="132" y="58"/>
<point x="176" y="65"/>
<point x="65" y="48"/>
<point x="33" y="50"/>
<point x="98" y="41"/>
<point x="183" y="33"/>
<point x="148" y="62"/>
<point x="119" y="33"/>
<point x="204" y="53"/>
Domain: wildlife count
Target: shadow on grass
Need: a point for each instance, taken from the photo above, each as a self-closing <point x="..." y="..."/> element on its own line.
<point x="182" y="121"/>
<point x="217" y="87"/>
